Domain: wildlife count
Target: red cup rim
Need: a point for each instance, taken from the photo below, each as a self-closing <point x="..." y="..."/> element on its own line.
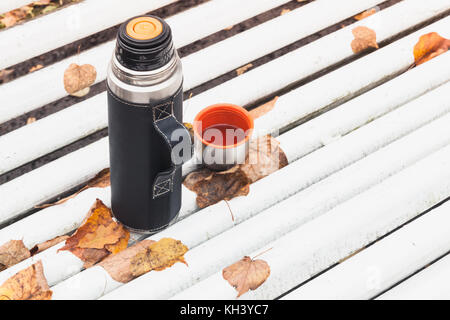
<point x="230" y="107"/>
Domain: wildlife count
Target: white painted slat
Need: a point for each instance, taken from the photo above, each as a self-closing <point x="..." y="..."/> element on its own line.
<point x="46" y="182"/>
<point x="64" y="218"/>
<point x="324" y="129"/>
<point x="429" y="284"/>
<point x="8" y="5"/>
<point x="309" y="249"/>
<point x="265" y="38"/>
<point x="57" y="125"/>
<point x="18" y="202"/>
<point x="33" y="94"/>
<point x="386" y="262"/>
<point x="217" y="219"/>
<point x="341" y="84"/>
<point x="83" y="19"/>
<point x="199" y="68"/>
<point x="73" y="23"/>
<point x="283" y="115"/>
<point x="59" y="220"/>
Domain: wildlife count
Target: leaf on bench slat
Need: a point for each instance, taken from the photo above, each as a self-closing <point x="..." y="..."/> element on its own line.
<point x="244" y="69"/>
<point x="366" y="14"/>
<point x="118" y="266"/>
<point x="212" y="187"/>
<point x="12" y="253"/>
<point x="78" y="79"/>
<point x="47" y="244"/>
<point x="28" y="284"/>
<point x="265" y="157"/>
<point x="98" y="237"/>
<point x="430" y="46"/>
<point x="158" y="256"/>
<point x="364" y="38"/>
<point x="246" y="274"/>
<point x="263" y="109"/>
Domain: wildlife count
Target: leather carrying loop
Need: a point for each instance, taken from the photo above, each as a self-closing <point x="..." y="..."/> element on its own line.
<point x="165" y="123"/>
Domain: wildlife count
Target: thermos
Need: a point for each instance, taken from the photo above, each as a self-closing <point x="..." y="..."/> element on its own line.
<point x="148" y="143"/>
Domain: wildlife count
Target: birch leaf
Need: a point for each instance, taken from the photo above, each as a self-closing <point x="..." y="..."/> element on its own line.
<point x="364" y="38"/>
<point x="246" y="274"/>
<point x="78" y="78"/>
<point x="265" y="157"/>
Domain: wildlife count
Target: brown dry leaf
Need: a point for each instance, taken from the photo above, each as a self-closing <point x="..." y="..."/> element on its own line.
<point x="364" y="38"/>
<point x="430" y="46"/>
<point x="263" y="109"/>
<point x="47" y="244"/>
<point x="36" y="67"/>
<point x="78" y="78"/>
<point x="12" y="253"/>
<point x="212" y="187"/>
<point x="13" y="17"/>
<point x="366" y="14"/>
<point x="118" y="266"/>
<point x="4" y="74"/>
<point x="243" y="69"/>
<point x="264" y="157"/>
<point x="31" y="120"/>
<point x="158" y="256"/>
<point x="98" y="236"/>
<point x="246" y="274"/>
<point x="28" y="284"/>
<point x="284" y="11"/>
<point x="101" y="180"/>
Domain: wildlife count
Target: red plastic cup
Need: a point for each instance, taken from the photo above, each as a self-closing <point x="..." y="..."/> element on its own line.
<point x="221" y="135"/>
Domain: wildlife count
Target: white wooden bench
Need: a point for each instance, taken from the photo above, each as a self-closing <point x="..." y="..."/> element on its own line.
<point x="366" y="137"/>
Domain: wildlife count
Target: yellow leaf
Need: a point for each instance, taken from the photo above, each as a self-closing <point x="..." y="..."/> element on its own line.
<point x="98" y="236"/>
<point x="158" y="256"/>
<point x="28" y="284"/>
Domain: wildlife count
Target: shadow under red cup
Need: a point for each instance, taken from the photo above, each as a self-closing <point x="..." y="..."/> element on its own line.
<point x="222" y="134"/>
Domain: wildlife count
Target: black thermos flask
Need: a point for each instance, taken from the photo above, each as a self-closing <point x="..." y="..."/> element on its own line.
<point x="148" y="142"/>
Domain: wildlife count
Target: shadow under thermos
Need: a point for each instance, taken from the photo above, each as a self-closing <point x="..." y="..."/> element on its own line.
<point x="148" y="143"/>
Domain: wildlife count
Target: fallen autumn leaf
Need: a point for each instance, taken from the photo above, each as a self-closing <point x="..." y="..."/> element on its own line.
<point x="246" y="274"/>
<point x="78" y="78"/>
<point x="28" y="284"/>
<point x="98" y="237"/>
<point x="158" y="256"/>
<point x="12" y="253"/>
<point x="430" y="46"/>
<point x="364" y="38"/>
